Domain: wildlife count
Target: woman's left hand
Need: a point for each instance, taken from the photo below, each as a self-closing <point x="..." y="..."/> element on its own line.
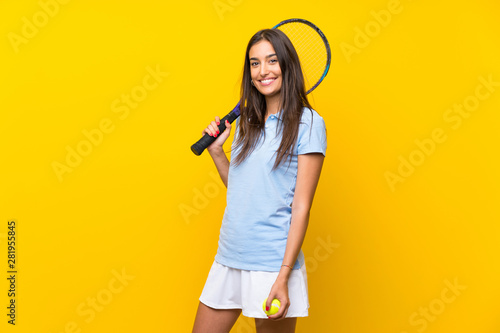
<point x="279" y="291"/>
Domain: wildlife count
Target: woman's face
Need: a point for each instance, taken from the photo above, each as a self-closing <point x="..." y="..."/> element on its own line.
<point x="265" y="69"/>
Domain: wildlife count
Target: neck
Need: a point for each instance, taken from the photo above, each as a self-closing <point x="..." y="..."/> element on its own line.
<point x="272" y="104"/>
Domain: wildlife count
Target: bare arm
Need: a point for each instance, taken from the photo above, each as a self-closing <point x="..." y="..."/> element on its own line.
<point x="308" y="172"/>
<point x="216" y="150"/>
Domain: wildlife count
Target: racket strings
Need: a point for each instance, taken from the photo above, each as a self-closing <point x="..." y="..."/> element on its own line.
<point x="311" y="50"/>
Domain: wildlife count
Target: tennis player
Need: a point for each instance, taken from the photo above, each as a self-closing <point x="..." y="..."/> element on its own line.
<point x="276" y="159"/>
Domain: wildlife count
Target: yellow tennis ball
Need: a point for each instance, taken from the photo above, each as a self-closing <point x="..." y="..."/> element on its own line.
<point x="275" y="306"/>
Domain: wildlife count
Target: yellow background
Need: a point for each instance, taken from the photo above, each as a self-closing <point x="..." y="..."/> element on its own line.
<point x="141" y="203"/>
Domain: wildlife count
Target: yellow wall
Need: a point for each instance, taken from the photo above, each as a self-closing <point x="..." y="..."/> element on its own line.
<point x="404" y="234"/>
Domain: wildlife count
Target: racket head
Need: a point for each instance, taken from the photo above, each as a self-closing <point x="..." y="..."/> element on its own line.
<point x="312" y="48"/>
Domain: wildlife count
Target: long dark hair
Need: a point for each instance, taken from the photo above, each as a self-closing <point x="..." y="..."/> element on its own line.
<point x="253" y="104"/>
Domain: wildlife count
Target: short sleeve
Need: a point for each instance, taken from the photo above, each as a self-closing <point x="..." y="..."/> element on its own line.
<point x="312" y="134"/>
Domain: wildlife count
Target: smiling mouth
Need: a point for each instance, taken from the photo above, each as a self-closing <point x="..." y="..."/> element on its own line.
<point x="267" y="82"/>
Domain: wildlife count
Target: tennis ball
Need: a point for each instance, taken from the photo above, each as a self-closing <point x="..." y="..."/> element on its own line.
<point x="275" y="306"/>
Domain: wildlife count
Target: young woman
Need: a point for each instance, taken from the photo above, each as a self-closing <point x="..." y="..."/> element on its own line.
<point x="276" y="161"/>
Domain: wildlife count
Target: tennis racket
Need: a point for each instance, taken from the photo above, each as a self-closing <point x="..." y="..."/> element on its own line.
<point x="314" y="55"/>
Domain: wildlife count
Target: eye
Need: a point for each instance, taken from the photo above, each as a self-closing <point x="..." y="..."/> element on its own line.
<point x="273" y="61"/>
<point x="254" y="63"/>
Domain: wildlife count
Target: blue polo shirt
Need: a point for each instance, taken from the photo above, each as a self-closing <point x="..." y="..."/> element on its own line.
<point x="257" y="217"/>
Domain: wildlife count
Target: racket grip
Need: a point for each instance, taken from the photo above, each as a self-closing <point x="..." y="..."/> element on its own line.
<point x="206" y="140"/>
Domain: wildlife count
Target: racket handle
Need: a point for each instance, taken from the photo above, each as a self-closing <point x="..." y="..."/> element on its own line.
<point x="206" y="140"/>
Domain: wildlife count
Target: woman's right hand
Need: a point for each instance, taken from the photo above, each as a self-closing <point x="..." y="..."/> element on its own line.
<point x="213" y="130"/>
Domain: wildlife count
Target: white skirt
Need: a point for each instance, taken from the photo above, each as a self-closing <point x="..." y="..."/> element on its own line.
<point x="231" y="288"/>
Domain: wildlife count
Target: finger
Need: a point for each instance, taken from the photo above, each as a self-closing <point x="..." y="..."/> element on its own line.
<point x="206" y="131"/>
<point x="214" y="130"/>
<point x="286" y="311"/>
<point x="209" y="130"/>
<point x="282" y="311"/>
<point x="215" y="126"/>
<point x="278" y="315"/>
<point x="269" y="301"/>
<point x="227" y="130"/>
<point x="217" y="120"/>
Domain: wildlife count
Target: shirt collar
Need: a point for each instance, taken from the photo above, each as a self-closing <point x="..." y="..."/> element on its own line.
<point x="278" y="114"/>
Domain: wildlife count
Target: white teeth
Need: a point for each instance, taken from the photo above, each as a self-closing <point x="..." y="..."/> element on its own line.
<point x="267" y="81"/>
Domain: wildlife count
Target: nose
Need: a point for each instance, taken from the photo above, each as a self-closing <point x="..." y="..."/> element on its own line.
<point x="263" y="69"/>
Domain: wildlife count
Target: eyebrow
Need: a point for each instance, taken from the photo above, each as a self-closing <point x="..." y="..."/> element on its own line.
<point x="268" y="56"/>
